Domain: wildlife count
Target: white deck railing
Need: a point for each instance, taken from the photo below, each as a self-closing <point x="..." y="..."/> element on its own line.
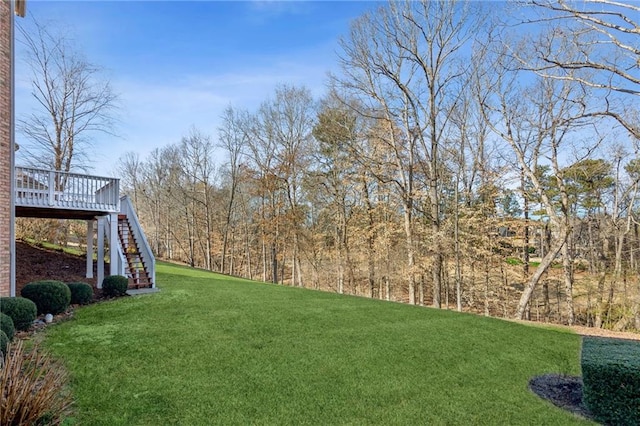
<point x="52" y="189"/>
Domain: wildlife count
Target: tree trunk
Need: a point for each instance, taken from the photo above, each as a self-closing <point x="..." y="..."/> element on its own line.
<point x="567" y="267"/>
<point x="525" y="209"/>
<point x="340" y="262"/>
<point x="545" y="263"/>
<point x="546" y="314"/>
<point x="274" y="264"/>
<point x="456" y="239"/>
<point x="486" y="288"/>
<point x="370" y="237"/>
<point x="408" y="228"/>
<point x="435" y="207"/>
<point x="599" y="299"/>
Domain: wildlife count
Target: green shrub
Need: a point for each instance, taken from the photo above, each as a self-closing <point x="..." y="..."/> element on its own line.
<point x="22" y="311"/>
<point x="115" y="285"/>
<point x="611" y="377"/>
<point x="81" y="293"/>
<point x="51" y="297"/>
<point x="4" y="342"/>
<point x="6" y="325"/>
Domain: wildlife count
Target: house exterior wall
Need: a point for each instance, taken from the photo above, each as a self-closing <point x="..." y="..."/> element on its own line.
<point x="6" y="151"/>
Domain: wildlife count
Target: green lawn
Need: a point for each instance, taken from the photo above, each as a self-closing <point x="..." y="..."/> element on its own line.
<point x="210" y="349"/>
<point x="76" y="251"/>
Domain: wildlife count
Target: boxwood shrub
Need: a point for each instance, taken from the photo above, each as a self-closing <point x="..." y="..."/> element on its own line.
<point x="50" y="296"/>
<point x="611" y="377"/>
<point x="81" y="293"/>
<point x="4" y="342"/>
<point x="22" y="311"/>
<point x="115" y="285"/>
<point x="6" y="325"/>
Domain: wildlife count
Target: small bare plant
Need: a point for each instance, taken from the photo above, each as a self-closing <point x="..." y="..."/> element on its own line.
<point x="31" y="386"/>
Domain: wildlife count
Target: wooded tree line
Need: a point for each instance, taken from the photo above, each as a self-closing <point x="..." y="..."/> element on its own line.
<point x="459" y="159"/>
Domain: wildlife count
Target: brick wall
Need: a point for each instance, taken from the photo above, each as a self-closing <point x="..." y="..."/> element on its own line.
<point x="5" y="147"/>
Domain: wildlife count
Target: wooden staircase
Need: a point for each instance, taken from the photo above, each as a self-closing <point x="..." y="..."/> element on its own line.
<point x="135" y="268"/>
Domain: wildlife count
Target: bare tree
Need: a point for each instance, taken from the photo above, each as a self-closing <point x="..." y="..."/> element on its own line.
<point x="607" y="35"/>
<point x="288" y="120"/>
<point x="129" y="168"/>
<point x="332" y="177"/>
<point x="261" y="160"/>
<point x="233" y="138"/>
<point x="160" y="208"/>
<point x="197" y="169"/>
<point x="73" y="101"/>
<point x="540" y="122"/>
<point x="278" y="148"/>
<point x="405" y="62"/>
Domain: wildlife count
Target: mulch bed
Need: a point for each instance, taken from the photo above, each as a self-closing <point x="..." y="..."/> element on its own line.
<point x="37" y="263"/>
<point x="562" y="391"/>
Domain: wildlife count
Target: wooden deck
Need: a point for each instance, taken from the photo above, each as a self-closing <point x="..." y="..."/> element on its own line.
<point x="58" y="195"/>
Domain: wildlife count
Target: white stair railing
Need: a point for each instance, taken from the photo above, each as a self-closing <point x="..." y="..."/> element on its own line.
<point x="122" y="260"/>
<point x="126" y="208"/>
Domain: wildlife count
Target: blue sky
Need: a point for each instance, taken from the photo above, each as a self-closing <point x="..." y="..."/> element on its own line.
<point x="178" y="64"/>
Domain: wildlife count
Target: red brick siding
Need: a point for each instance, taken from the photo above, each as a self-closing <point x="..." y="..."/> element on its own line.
<point x="5" y="147"/>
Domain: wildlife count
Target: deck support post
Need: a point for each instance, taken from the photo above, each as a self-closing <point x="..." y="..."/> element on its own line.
<point x="90" y="248"/>
<point x="100" y="260"/>
<point x="113" y="244"/>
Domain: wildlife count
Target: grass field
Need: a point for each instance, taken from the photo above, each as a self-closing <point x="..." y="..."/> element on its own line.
<point x="210" y="349"/>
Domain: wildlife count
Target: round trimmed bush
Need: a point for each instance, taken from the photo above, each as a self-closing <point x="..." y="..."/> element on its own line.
<point x="22" y="311"/>
<point x="50" y="296"/>
<point x="6" y="325"/>
<point x="81" y="293"/>
<point x="4" y="342"/>
<point x="115" y="285"/>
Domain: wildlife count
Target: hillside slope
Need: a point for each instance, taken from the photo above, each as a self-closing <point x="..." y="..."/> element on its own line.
<point x="36" y="263"/>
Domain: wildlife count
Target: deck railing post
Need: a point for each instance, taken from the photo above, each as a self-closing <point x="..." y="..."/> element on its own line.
<point x="116" y="194"/>
<point x="113" y="244"/>
<point x="90" y="248"/>
<point x="100" y="276"/>
<point x="52" y="187"/>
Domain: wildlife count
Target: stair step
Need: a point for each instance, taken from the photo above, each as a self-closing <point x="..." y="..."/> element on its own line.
<point x="138" y="270"/>
<point x="140" y="280"/>
<point x="135" y="268"/>
<point x="139" y="285"/>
